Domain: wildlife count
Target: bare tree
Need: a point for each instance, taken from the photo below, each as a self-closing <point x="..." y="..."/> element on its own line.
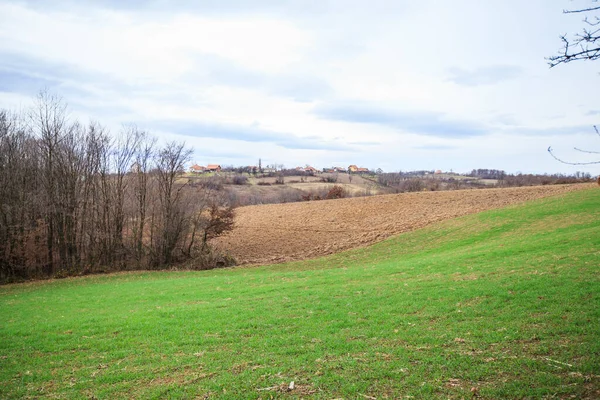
<point x="171" y="219"/>
<point x="122" y="159"/>
<point x="97" y="144"/>
<point x="49" y="120"/>
<point x="19" y="195"/>
<point x="69" y="168"/>
<point x="140" y="171"/>
<point x="584" y="45"/>
<point x="74" y="200"/>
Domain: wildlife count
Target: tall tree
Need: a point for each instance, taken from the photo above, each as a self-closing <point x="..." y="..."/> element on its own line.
<point x="74" y="199"/>
<point x="49" y="120"/>
<point x="141" y="169"/>
<point x="171" y="221"/>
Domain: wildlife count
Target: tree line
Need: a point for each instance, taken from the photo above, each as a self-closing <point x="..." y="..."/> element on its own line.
<point x="75" y="199"/>
<point x="416" y="181"/>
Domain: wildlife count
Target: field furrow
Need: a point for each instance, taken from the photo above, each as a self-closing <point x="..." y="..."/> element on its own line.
<point x="294" y="231"/>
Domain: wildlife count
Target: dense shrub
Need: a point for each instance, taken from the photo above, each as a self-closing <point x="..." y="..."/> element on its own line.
<point x="290" y="195"/>
<point x="329" y="192"/>
<point x="329" y="178"/>
<point x="210" y="259"/>
<point x="488" y="173"/>
<point x="245" y="198"/>
<point x="336" y="192"/>
<point x="554" y="179"/>
<point x="412" y="185"/>
<point x="212" y="183"/>
<point x="239" y="179"/>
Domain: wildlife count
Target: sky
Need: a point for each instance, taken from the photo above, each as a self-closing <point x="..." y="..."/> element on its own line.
<point x="398" y="85"/>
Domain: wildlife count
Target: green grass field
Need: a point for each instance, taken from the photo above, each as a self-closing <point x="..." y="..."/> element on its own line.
<point x="502" y="304"/>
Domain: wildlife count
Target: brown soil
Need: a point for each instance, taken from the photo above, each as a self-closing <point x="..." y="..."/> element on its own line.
<point x="282" y="232"/>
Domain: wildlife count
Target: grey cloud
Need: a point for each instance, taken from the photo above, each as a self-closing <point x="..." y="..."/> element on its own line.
<point x="506" y="119"/>
<point x="26" y="75"/>
<point x="424" y="123"/>
<point x="245" y="134"/>
<point x="435" y="147"/>
<point x="365" y="143"/>
<point x="207" y="7"/>
<point x="204" y="152"/>
<point x="298" y="86"/>
<point x="558" y="130"/>
<point x="484" y="75"/>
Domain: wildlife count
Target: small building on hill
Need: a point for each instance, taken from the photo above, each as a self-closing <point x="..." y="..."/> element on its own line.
<point x="213" y="168"/>
<point x="197" y="169"/>
<point x="357" y="170"/>
<point x="308" y="169"/>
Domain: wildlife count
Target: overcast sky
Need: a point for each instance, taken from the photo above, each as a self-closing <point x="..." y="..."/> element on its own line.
<point x="397" y="85"/>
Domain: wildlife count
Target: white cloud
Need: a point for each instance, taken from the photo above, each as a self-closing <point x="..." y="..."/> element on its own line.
<point x="267" y="68"/>
<point x="129" y="47"/>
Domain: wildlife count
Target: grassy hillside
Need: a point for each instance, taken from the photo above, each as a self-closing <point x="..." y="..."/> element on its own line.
<point x="502" y="304"/>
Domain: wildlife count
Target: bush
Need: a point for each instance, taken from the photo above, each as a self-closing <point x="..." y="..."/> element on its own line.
<point x="454" y="184"/>
<point x="290" y="195"/>
<point x="336" y="192"/>
<point x="212" y="183"/>
<point x="211" y="259"/>
<point x="412" y="185"/>
<point x="239" y="179"/>
<point x="329" y="178"/>
<point x="433" y="185"/>
<point x="311" y="196"/>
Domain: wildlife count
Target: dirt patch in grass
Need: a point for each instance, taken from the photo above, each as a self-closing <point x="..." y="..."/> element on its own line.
<point x="284" y="232"/>
<point x="291" y="388"/>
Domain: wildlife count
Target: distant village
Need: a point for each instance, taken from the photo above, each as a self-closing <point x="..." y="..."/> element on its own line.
<point x="200" y="169"/>
<point x="273" y="169"/>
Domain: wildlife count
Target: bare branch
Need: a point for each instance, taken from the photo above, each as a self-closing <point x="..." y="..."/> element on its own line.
<point x="582" y="46"/>
<point x="570" y="163"/>
<point x="582" y="10"/>
<point x="587" y="151"/>
<point x="580" y="150"/>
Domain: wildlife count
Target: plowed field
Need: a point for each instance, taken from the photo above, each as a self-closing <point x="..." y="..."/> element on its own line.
<point x="282" y="232"/>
